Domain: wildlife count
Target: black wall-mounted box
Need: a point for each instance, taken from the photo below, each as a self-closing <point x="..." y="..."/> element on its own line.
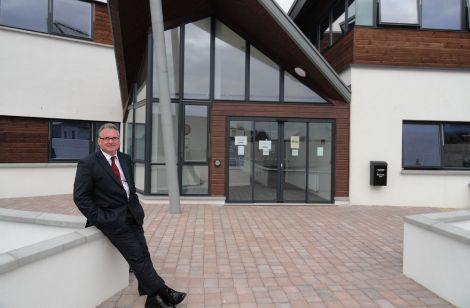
<point x="378" y="173"/>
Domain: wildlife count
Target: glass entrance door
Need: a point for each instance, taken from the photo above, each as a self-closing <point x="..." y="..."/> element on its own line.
<point x="280" y="161"/>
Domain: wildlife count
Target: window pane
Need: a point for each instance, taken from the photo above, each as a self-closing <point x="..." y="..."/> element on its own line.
<point x="338" y="26"/>
<point x="442" y="14"/>
<point x="195" y="133"/>
<point x="142" y="93"/>
<point x="24" y="14"/>
<point x="72" y="17"/>
<point x="158" y="153"/>
<point x="240" y="161"/>
<point x="139" y="141"/>
<point x="128" y="132"/>
<point x="230" y="49"/>
<point x="421" y="146"/>
<point x="139" y="176"/>
<point x="295" y="91"/>
<point x="70" y="140"/>
<point x="399" y="11"/>
<point x="172" y="44"/>
<point x="264" y="77"/>
<point x="195" y="180"/>
<point x="197" y="59"/>
<point x="320" y="153"/>
<point x="364" y="12"/>
<point x="158" y="184"/>
<point x="456" y="145"/>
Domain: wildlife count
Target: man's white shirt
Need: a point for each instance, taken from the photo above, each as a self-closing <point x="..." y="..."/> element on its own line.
<point x="118" y="164"/>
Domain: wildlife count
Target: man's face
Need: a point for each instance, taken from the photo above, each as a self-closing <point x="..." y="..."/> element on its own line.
<point x="107" y="143"/>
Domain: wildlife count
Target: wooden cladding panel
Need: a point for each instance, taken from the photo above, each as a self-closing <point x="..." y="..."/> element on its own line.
<point x="221" y="110"/>
<point x="23" y="140"/>
<point x="409" y="47"/>
<point x="102" y="25"/>
<point x="340" y="55"/>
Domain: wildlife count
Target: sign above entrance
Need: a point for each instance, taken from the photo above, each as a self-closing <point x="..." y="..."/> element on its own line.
<point x="241" y="140"/>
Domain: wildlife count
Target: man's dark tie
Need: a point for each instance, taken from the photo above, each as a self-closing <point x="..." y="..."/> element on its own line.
<point x="116" y="169"/>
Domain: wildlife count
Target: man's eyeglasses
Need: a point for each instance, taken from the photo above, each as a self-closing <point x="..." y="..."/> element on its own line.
<point x="109" y="138"/>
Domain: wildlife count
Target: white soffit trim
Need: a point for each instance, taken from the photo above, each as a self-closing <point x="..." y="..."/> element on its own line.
<point x="304" y="44"/>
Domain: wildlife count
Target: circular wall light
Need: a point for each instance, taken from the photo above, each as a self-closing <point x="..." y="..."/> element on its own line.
<point x="300" y="72"/>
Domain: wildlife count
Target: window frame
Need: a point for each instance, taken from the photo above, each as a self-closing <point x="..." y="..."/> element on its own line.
<point x="49" y="23"/>
<point x="441" y="142"/>
<point x="92" y="141"/>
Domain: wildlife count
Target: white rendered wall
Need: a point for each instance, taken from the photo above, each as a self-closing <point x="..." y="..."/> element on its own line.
<point x="382" y="97"/>
<point x="52" y="77"/>
<point x="28" y="180"/>
<point x="81" y="277"/>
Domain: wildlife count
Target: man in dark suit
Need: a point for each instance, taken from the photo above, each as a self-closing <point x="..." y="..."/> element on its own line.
<point x="104" y="192"/>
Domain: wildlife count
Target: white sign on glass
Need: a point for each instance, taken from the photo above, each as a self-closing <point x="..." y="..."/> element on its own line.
<point x="319" y="151"/>
<point x="295" y="152"/>
<point x="265" y="152"/>
<point x="264" y="144"/>
<point x="241" y="150"/>
<point x="241" y="140"/>
<point x="294" y="142"/>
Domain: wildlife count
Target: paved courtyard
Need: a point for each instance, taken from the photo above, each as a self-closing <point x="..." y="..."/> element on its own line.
<point x="272" y="256"/>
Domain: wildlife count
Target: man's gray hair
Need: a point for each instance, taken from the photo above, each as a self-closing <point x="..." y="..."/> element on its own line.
<point x="108" y="126"/>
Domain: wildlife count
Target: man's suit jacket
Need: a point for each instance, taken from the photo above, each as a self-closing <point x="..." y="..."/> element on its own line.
<point x="99" y="194"/>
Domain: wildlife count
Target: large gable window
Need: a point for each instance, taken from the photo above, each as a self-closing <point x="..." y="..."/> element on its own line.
<point x="295" y="91"/>
<point x="442" y="14"/>
<point x="399" y="12"/>
<point x="264" y="77"/>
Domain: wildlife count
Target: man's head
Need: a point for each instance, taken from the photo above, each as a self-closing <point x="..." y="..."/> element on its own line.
<point x="108" y="138"/>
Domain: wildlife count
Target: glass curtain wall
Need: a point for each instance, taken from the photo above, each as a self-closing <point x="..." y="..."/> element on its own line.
<point x="172" y="44"/>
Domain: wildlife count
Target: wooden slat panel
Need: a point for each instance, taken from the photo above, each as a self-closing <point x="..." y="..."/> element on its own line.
<point x="220" y="111"/>
<point x="102" y="24"/>
<point x="23" y="140"/>
<point x="408" y="47"/>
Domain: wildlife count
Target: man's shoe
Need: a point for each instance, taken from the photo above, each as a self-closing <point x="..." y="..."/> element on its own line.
<point x="171" y="297"/>
<point x="154" y="302"/>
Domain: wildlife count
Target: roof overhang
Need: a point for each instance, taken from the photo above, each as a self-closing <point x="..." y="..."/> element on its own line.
<point x="262" y="22"/>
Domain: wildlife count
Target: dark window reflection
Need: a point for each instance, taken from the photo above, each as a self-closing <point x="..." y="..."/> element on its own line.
<point x="24" y="14"/>
<point x="70" y="140"/>
<point x="421" y="145"/>
<point x="442" y="14"/>
<point x="457" y="145"/>
<point x="72" y="18"/>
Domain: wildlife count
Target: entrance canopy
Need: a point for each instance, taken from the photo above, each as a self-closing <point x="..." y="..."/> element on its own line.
<point x="261" y="22"/>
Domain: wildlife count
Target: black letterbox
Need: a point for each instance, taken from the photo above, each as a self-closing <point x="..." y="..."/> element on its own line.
<point x="378" y="173"/>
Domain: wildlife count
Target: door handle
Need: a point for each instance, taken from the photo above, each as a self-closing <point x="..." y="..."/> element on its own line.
<point x="282" y="166"/>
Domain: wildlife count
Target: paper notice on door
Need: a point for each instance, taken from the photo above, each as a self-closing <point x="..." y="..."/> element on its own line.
<point x="264" y="145"/>
<point x="295" y="152"/>
<point x="320" y="151"/>
<point x="294" y="142"/>
<point x="241" y="140"/>
<point x="266" y="152"/>
<point x="241" y="150"/>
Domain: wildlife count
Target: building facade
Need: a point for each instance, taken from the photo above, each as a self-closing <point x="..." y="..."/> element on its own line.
<point x="407" y="63"/>
<point x="59" y="82"/>
<point x="259" y="115"/>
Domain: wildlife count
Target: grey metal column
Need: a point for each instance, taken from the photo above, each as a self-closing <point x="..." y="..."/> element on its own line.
<point x="159" y="53"/>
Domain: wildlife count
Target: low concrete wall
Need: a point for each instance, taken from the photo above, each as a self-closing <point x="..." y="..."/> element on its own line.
<point x="79" y="268"/>
<point x="38" y="179"/>
<point x="436" y="254"/>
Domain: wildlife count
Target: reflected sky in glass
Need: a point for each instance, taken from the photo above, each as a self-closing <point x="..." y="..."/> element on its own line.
<point x="399" y="11"/>
<point x="442" y="14"/>
<point x="197" y="59"/>
<point x="72" y="17"/>
<point x="24" y="14"/>
<point x="295" y="91"/>
<point x="264" y="77"/>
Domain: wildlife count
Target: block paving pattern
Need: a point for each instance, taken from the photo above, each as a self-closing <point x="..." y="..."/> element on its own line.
<point x="272" y="256"/>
